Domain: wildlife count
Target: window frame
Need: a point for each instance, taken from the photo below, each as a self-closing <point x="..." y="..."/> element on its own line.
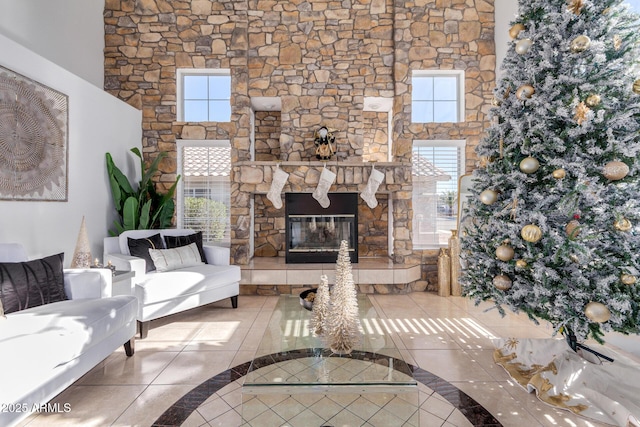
<point x="461" y="145"/>
<point x="460" y="94"/>
<point x="181" y="73"/>
<point x="208" y="143"/>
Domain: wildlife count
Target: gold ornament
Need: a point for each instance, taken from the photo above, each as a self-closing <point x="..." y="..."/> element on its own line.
<point x="523" y="46"/>
<point x="529" y="165"/>
<point x="622" y="224"/>
<point x="531" y="233"/>
<point x="575" y="6"/>
<point x="636" y="86"/>
<point x="580" y="44"/>
<point x="559" y="173"/>
<point x="573" y="228"/>
<point x="615" y="170"/>
<point x="505" y="253"/>
<point x="617" y="42"/>
<point x="525" y="92"/>
<point x="502" y="282"/>
<point x="496" y="102"/>
<point x="582" y="113"/>
<point x="521" y="263"/>
<point x="507" y="93"/>
<point x="597" y="312"/>
<point x="515" y="30"/>
<point x="628" y="279"/>
<point x="593" y="100"/>
<point x="488" y="197"/>
<point x="484" y="161"/>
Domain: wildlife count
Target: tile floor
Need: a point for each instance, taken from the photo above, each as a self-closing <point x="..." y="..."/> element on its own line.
<point x="447" y="337"/>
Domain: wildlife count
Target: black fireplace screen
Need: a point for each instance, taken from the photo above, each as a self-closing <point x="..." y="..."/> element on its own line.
<point x="314" y="233"/>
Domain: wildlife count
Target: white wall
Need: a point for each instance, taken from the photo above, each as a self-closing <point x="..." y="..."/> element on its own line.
<point x="505" y="12"/>
<point x="98" y="123"/>
<point x="67" y="32"/>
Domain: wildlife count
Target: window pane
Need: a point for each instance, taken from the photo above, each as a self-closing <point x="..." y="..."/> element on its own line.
<point x="219" y="87"/>
<point x="635" y="5"/>
<point x="195" y="111"/>
<point x="445" y="88"/>
<point x="219" y="111"/>
<point x="195" y="87"/>
<point x="436" y="170"/>
<point x="422" y="88"/>
<point x="422" y="112"/>
<point x="445" y="111"/>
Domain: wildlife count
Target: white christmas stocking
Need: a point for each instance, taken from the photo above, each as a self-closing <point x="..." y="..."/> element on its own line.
<point x="280" y="178"/>
<point x="326" y="180"/>
<point x="369" y="194"/>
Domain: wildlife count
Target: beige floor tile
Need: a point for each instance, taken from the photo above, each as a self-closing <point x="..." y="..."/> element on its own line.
<point x="194" y="367"/>
<point x="195" y="420"/>
<point x="151" y="404"/>
<point x="450" y="365"/>
<point x="142" y="368"/>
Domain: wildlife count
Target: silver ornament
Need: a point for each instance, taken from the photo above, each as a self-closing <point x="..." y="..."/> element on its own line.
<point x="523" y="46"/>
<point x="529" y="165"/>
<point x="488" y="197"/>
<point x="580" y="44"/>
<point x="615" y="170"/>
<point x="597" y="312"/>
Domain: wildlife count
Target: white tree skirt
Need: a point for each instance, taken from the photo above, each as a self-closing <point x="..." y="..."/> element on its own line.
<point x="582" y="383"/>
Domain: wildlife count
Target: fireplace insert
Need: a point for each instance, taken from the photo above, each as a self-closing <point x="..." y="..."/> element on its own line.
<point x="314" y="234"/>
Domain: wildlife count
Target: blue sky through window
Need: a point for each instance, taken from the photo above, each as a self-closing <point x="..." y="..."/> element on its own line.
<point x="207" y="98"/>
<point x="635" y="5"/>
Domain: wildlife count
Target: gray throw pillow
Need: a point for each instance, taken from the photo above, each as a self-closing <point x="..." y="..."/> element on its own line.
<point x="31" y="283"/>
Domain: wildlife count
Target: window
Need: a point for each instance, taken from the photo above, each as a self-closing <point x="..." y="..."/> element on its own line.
<point x="204" y="95"/>
<point x="204" y="188"/>
<point x="437" y="165"/>
<point x="437" y="96"/>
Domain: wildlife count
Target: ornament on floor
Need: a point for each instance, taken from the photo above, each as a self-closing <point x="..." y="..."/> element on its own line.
<point x="521" y="263"/>
<point x="505" y="252"/>
<point x="502" y="282"/>
<point x="593" y="100"/>
<point x="615" y="170"/>
<point x="597" y="312"/>
<point x="580" y="44"/>
<point x="559" y="173"/>
<point x="581" y="113"/>
<point x="622" y="224"/>
<point x="516" y="29"/>
<point x="575" y="6"/>
<point x="529" y="165"/>
<point x="628" y="279"/>
<point x="525" y="92"/>
<point x="531" y="233"/>
<point x="523" y="46"/>
<point x="82" y="253"/>
<point x="274" y="195"/>
<point x="369" y="194"/>
<point x="636" y="86"/>
<point x="321" y="193"/>
<point x="488" y="197"/>
<point x="324" y="142"/>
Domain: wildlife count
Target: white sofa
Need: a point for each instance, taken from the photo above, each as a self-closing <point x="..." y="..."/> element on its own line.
<point x="45" y="349"/>
<point x="164" y="293"/>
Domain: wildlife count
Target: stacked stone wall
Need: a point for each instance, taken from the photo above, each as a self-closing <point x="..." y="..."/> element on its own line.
<point x="268" y="129"/>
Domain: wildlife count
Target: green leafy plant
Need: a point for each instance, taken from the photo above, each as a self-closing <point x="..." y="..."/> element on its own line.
<point x="206" y="215"/>
<point x="142" y="208"/>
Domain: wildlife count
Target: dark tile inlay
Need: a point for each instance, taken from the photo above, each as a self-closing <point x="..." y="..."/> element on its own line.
<point x="184" y="407"/>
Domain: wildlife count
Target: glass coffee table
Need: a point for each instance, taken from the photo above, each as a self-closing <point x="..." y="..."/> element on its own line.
<point x="295" y="380"/>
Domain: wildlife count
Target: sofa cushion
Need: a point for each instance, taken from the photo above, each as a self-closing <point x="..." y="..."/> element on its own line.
<point x="31" y="283"/>
<point x="177" y="241"/>
<point x="140" y="248"/>
<point x="173" y="259"/>
<point x="165" y="286"/>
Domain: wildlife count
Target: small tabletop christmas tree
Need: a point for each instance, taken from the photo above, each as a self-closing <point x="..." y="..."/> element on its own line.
<point x="555" y="205"/>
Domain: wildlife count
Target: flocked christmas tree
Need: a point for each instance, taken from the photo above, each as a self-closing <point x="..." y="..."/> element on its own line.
<point x="552" y="224"/>
<point x="320" y="306"/>
<point x="342" y="326"/>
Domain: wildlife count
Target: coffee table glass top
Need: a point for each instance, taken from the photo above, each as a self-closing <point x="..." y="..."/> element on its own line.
<point x="289" y="354"/>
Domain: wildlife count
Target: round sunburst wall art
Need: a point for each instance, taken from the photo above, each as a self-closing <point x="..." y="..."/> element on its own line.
<point x="33" y="140"/>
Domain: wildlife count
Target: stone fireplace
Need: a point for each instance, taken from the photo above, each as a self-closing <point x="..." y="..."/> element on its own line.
<point x="314" y="234"/>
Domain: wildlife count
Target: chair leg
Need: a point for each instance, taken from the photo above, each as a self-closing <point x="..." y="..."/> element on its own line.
<point x="234" y="301"/>
<point x="143" y="327"/>
<point x="129" y="347"/>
